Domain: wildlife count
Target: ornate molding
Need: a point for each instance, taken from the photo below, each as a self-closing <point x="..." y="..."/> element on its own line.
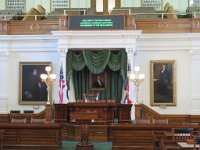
<point x="28" y="43"/>
<point x="194" y="52"/>
<point x="97" y="39"/>
<point x="169" y="42"/>
<point x="130" y="52"/>
<point x="4" y="53"/>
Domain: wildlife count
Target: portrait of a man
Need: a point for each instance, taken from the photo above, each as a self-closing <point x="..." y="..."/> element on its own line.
<point x="98" y="81"/>
<point x="163" y="83"/>
<point x="32" y="89"/>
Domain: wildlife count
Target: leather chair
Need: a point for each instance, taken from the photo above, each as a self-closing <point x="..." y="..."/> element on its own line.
<point x="197" y="142"/>
<point x="182" y="134"/>
<point x="91" y="98"/>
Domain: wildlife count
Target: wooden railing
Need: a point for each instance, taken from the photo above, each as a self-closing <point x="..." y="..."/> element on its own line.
<point x="144" y="112"/>
<point x="187" y="25"/>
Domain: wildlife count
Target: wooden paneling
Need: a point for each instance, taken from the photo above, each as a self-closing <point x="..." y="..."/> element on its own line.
<point x="164" y="25"/>
<point x="97" y="133"/>
<point x="105" y="7"/>
<point x="105" y="111"/>
<point x="28" y="27"/>
<point x="31" y="136"/>
<point x="117" y="4"/>
<point x="135" y="137"/>
<point x="186" y="25"/>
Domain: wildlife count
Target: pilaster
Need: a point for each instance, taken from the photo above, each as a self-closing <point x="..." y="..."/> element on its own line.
<point x="4" y="81"/>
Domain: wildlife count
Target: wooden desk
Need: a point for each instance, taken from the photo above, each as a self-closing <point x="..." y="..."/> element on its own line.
<point x="105" y="110"/>
<point x="32" y="136"/>
<point x="139" y="135"/>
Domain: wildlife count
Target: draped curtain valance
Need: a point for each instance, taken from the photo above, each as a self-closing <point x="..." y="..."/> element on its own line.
<point x="97" y="61"/>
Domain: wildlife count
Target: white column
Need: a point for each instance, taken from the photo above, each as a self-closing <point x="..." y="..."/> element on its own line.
<point x="4" y="90"/>
<point x="195" y="82"/>
<point x="130" y="53"/>
<point x="63" y="55"/>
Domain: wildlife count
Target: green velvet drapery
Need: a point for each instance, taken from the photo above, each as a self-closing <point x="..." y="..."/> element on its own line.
<point x="81" y="63"/>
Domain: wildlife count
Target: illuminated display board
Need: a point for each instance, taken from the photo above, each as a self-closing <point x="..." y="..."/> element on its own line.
<point x="96" y="22"/>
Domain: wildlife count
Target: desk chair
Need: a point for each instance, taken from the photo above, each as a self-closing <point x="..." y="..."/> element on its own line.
<point x="163" y="121"/>
<point x="38" y="121"/>
<point x="28" y="111"/>
<point x="197" y="142"/>
<point x="142" y="121"/>
<point x="20" y="120"/>
<point x="91" y="98"/>
<point x="182" y="134"/>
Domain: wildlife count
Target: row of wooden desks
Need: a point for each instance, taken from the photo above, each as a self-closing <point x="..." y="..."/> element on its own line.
<point x="141" y="135"/>
<point x="32" y="136"/>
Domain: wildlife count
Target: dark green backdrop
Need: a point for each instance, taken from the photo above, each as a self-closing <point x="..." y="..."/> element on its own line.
<point x="81" y="63"/>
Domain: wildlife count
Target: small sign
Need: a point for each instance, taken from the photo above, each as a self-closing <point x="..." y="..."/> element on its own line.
<point x="96" y="22"/>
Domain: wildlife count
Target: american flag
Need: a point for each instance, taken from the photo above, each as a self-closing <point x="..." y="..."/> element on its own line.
<point x="127" y="87"/>
<point x="61" y="85"/>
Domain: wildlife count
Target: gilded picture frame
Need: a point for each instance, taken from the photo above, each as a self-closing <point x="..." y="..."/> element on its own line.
<point x="98" y="82"/>
<point x="163" y="83"/>
<point x="32" y="91"/>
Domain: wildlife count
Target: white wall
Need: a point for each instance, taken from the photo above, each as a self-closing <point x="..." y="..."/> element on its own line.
<point x="32" y="49"/>
<point x="182" y="58"/>
<point x="184" y="48"/>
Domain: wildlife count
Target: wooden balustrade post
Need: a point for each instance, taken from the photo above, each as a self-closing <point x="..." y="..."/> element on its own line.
<point x="48" y="112"/>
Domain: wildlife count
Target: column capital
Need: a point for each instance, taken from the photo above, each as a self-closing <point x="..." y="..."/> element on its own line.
<point x="130" y="52"/>
<point x="63" y="52"/>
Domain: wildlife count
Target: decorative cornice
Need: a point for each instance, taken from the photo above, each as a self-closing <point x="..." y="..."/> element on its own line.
<point x="4" y="53"/>
<point x="97" y="39"/>
<point x="194" y="52"/>
<point x="170" y="42"/>
<point x="3" y="96"/>
<point x="28" y="43"/>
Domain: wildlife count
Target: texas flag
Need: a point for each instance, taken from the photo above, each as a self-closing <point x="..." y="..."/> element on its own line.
<point x="61" y="85"/>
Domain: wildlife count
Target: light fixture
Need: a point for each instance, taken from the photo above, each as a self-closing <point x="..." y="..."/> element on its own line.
<point x="137" y="79"/>
<point x="48" y="79"/>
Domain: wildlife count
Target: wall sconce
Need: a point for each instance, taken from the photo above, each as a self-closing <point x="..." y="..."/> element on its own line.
<point x="137" y="79"/>
<point x="48" y="79"/>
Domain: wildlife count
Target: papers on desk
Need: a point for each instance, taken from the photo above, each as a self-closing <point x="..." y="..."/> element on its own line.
<point x="185" y="145"/>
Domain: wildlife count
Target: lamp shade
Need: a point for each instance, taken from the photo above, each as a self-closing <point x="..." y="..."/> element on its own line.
<point x="132" y="76"/>
<point x="43" y="76"/>
<point x="137" y="68"/>
<point x="48" y="68"/>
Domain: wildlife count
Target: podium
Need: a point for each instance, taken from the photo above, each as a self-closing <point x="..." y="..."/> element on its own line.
<point x="84" y="118"/>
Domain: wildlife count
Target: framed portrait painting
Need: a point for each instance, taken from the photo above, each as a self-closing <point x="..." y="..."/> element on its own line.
<point x="98" y="82"/>
<point x="163" y="83"/>
<point x="32" y="91"/>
